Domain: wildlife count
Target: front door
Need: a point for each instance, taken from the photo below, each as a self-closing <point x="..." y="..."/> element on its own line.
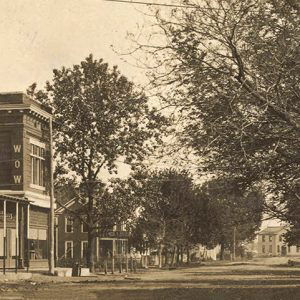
<point x="10" y="248"/>
<point x="283" y="250"/>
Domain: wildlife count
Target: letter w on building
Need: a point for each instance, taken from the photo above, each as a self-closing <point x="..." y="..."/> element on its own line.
<point x="17" y="178"/>
<point x="17" y="148"/>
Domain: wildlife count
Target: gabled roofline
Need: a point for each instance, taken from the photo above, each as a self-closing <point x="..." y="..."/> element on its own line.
<point x="61" y="209"/>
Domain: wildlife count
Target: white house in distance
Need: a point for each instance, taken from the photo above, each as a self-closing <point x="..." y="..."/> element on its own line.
<point x="271" y="243"/>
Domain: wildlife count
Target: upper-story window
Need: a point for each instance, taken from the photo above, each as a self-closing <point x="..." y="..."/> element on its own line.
<point x="84" y="227"/>
<point x="270" y="238"/>
<point x="263" y="238"/>
<point x="37" y="158"/>
<point x="69" y="224"/>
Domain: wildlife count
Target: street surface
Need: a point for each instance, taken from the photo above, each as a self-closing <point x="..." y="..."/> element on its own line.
<point x="231" y="281"/>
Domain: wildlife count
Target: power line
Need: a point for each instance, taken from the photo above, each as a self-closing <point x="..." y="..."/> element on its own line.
<point x="150" y="3"/>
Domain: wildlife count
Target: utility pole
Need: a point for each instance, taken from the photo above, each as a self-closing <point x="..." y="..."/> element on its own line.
<point x="51" y="225"/>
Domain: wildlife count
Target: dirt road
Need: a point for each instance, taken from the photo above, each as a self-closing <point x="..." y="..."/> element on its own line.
<point x="236" y="281"/>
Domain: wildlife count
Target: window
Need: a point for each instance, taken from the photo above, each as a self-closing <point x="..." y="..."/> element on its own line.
<point x="278" y="248"/>
<point x="263" y="249"/>
<point x="270" y="238"/>
<point x="263" y="237"/>
<point x="270" y="249"/>
<point x="69" y="224"/>
<point x="38" y="243"/>
<point x="84" y="247"/>
<point x="289" y="248"/>
<point x="298" y="249"/>
<point x="69" y="249"/>
<point x="280" y="238"/>
<point x="37" y="159"/>
<point x="84" y="227"/>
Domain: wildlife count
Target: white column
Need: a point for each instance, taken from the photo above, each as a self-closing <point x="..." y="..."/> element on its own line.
<point x="4" y="220"/>
<point x="17" y="228"/>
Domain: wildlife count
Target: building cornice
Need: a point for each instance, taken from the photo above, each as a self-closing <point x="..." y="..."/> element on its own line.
<point x="31" y="108"/>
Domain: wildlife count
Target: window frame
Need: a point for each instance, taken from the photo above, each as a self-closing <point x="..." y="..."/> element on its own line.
<point x="66" y="248"/>
<point x="37" y="164"/>
<point x="66" y="224"/>
<point x="82" y="227"/>
<point x="81" y="247"/>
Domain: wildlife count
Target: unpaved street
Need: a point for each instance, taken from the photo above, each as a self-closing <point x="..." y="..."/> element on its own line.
<point x="235" y="281"/>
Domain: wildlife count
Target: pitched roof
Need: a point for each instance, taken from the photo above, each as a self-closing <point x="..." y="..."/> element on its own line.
<point x="272" y="230"/>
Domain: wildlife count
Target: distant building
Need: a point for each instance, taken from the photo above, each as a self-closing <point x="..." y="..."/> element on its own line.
<point x="24" y="181"/>
<point x="271" y="243"/>
<point x="72" y="238"/>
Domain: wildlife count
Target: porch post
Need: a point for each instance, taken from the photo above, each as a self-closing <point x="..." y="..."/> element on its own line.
<point x="17" y="235"/>
<point x="4" y="236"/>
<point x="27" y="230"/>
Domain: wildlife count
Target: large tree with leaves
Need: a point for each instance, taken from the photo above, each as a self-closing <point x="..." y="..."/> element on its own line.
<point x="100" y="117"/>
<point x="229" y="213"/>
<point x="166" y="212"/>
<point x="232" y="69"/>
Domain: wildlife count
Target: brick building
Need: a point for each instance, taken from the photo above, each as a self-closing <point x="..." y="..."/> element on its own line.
<point x="72" y="238"/>
<point x="24" y="181"/>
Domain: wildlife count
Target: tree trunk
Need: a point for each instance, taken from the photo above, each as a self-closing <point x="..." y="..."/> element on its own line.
<point x="222" y="251"/>
<point x="181" y="253"/>
<point x="188" y="255"/>
<point x="90" y="251"/>
<point x="160" y="248"/>
<point x="173" y="256"/>
<point x="166" y="257"/>
<point x="178" y="255"/>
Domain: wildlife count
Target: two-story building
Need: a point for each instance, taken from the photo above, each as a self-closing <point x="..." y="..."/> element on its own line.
<point x="271" y="243"/>
<point x="24" y="181"/>
<point x="71" y="237"/>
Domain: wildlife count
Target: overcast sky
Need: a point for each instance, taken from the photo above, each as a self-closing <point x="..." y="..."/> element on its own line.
<point x="39" y="35"/>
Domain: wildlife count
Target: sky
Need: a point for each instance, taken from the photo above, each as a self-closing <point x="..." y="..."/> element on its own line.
<point x="37" y="36"/>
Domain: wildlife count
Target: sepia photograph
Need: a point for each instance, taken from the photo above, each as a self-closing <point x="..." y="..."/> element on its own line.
<point x="150" y="149"/>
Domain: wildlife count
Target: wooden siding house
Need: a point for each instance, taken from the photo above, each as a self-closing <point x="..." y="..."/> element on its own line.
<point x="72" y="238"/>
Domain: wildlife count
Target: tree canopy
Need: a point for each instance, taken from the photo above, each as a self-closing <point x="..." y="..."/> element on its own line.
<point x="100" y="118"/>
<point x="232" y="70"/>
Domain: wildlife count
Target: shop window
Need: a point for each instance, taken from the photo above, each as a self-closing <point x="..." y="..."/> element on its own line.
<point x="69" y="249"/>
<point x="84" y="248"/>
<point x="38" y="244"/>
<point x="37" y="158"/>
<point x="69" y="224"/>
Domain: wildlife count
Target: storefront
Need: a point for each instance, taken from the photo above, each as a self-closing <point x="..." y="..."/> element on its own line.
<point x="24" y="182"/>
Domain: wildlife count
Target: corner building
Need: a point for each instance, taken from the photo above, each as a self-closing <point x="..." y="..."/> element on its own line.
<point x="24" y="181"/>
